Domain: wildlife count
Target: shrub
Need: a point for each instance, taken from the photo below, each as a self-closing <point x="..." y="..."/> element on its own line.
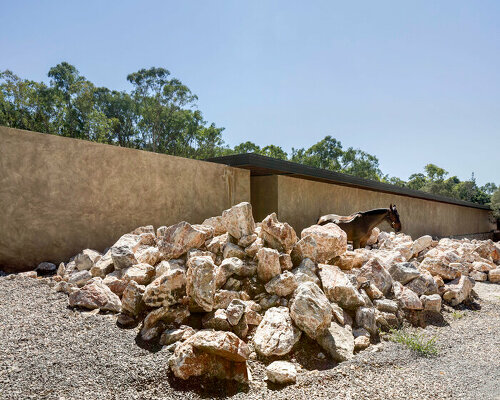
<point x="416" y="342"/>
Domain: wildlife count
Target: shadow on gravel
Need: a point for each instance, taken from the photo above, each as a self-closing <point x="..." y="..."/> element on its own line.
<point x="207" y="388"/>
<point x="152" y="346"/>
<point x="311" y="356"/>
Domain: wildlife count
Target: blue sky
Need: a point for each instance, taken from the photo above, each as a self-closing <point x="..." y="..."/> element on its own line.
<point x="412" y="82"/>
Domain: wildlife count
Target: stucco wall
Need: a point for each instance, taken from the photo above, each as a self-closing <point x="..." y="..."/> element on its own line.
<point x="300" y="202"/>
<point x="60" y="195"/>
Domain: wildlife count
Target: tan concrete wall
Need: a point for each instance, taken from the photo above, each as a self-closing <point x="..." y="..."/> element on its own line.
<point x="301" y="202"/>
<point x="60" y="195"/>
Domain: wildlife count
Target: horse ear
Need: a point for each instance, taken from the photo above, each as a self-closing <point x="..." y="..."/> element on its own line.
<point x="390" y="207"/>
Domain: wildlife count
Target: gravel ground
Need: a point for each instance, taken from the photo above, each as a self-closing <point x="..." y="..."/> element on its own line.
<point x="49" y="351"/>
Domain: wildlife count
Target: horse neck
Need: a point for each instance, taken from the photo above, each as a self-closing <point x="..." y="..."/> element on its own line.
<point x="375" y="219"/>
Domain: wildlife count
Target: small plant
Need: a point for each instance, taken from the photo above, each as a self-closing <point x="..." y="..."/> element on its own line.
<point x="457" y="315"/>
<point x="416" y="342"/>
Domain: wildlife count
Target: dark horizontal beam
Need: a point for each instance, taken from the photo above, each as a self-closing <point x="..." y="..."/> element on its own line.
<point x="263" y="165"/>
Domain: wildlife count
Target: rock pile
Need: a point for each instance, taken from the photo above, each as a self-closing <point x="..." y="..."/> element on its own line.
<point x="229" y="289"/>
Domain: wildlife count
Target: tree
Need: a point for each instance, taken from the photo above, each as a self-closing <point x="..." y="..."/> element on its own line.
<point x="275" y="152"/>
<point x="247" y="147"/>
<point x="495" y="204"/>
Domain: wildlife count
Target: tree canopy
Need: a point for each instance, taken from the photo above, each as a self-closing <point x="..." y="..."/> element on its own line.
<point x="160" y="114"/>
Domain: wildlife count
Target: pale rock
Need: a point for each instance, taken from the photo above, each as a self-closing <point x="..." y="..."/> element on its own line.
<point x="424" y="284"/>
<point x="253" y="249"/>
<point x="122" y="252"/>
<point x="282" y="285"/>
<point x="95" y="295"/>
<point x="247" y="240"/>
<point x="276" y="335"/>
<point x="132" y="302"/>
<point x="482" y="266"/>
<point x="281" y="372"/>
<point x="269" y="301"/>
<point x="338" y="313"/>
<point x="86" y="259"/>
<point x="285" y="262"/>
<point x="320" y="243"/>
<point x="338" y="287"/>
<point x="438" y="280"/>
<point x="376" y="274"/>
<point x="80" y="278"/>
<point x="437" y="267"/>
<point x="406" y="297"/>
<point x="479" y="276"/>
<point x="199" y="253"/>
<point x="61" y="270"/>
<point x="253" y="317"/>
<point x="103" y="266"/>
<point x="165" y="266"/>
<point x="464" y="269"/>
<point x="232" y="284"/>
<point x="180" y="238"/>
<point x="216" y="244"/>
<point x="373" y="237"/>
<point x="421" y="244"/>
<point x="337" y="341"/>
<point x="310" y="309"/>
<point x="431" y="302"/>
<point x="200" y="282"/>
<point x="361" y="343"/>
<point x="352" y="259"/>
<point x="404" y="272"/>
<point x="458" y="290"/>
<point x="306" y="272"/>
<point x="241" y="328"/>
<point x="365" y="318"/>
<point x="65" y="287"/>
<point x="154" y="322"/>
<point x="217" y="223"/>
<point x="277" y="235"/>
<point x="143" y="274"/>
<point x="148" y="255"/>
<point x="180" y="334"/>
<point x="115" y="282"/>
<point x="238" y="220"/>
<point x="143" y="229"/>
<point x="494" y="275"/>
<point x="235" y="311"/>
<point x="223" y="298"/>
<point x="208" y="230"/>
<point x="168" y="288"/>
<point x="226" y="269"/>
<point x="269" y="264"/>
<point x="223" y="344"/>
<point x="233" y="250"/>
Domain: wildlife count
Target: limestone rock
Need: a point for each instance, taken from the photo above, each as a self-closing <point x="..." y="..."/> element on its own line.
<point x="233" y="250"/>
<point x="269" y="264"/>
<point x="277" y="235"/>
<point x="352" y="259"/>
<point x="282" y="285"/>
<point x="281" y="372"/>
<point x="482" y="266"/>
<point x="276" y="335"/>
<point x="235" y="311"/>
<point x="404" y="272"/>
<point x="320" y="243"/>
<point x="373" y="236"/>
<point x="338" y="288"/>
<point x="79" y="278"/>
<point x="375" y="272"/>
<point x="223" y="344"/>
<point x="95" y="295"/>
<point x="421" y="244"/>
<point x="310" y="309"/>
<point x="179" y="238"/>
<point x="437" y="267"/>
<point x="216" y="320"/>
<point x="217" y="223"/>
<point x="46" y="268"/>
<point x="253" y="249"/>
<point x="168" y="288"/>
<point x="424" y="284"/>
<point x="182" y="333"/>
<point x="103" y="266"/>
<point x="458" y="290"/>
<point x="154" y="322"/>
<point x="365" y="318"/>
<point x="115" y="282"/>
<point x="338" y="342"/>
<point x="494" y="275"/>
<point x="406" y="297"/>
<point x="431" y="302"/>
<point x="86" y="259"/>
<point x="148" y="255"/>
<point x="238" y="220"/>
<point x="223" y="298"/>
<point x="143" y="274"/>
<point x="200" y="282"/>
<point x="122" y="252"/>
<point x="285" y="262"/>
<point x="247" y="240"/>
<point x="386" y="305"/>
<point x="306" y="272"/>
<point x="132" y="302"/>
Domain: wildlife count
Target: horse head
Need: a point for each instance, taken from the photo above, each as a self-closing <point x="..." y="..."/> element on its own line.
<point x="393" y="218"/>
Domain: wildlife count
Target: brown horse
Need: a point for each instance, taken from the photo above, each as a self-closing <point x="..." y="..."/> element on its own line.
<point x="358" y="226"/>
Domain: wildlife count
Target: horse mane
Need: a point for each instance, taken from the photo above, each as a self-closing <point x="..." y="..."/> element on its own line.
<point x="375" y="211"/>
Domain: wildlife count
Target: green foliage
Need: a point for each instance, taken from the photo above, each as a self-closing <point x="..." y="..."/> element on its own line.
<point x="419" y="343"/>
<point x="160" y="115"/>
<point x="457" y="315"/>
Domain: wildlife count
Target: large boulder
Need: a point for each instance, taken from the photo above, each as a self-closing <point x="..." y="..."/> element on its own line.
<point x="494" y="275"/>
<point x="269" y="264"/>
<point x="156" y="320"/>
<point x="310" y="309"/>
<point x="320" y="243"/>
<point x="339" y="288"/>
<point x="437" y="267"/>
<point x="132" y="302"/>
<point x="404" y="272"/>
<point x="168" y="288"/>
<point x="143" y="274"/>
<point x="86" y="259"/>
<point x="123" y="251"/>
<point x="375" y="272"/>
<point x="276" y="335"/>
<point x="277" y="235"/>
<point x="424" y="284"/>
<point x="179" y="238"/>
<point x="223" y="344"/>
<point x="238" y="220"/>
<point x="217" y="223"/>
<point x="407" y="298"/>
<point x="422" y="243"/>
<point x="200" y="282"/>
<point x="95" y="295"/>
<point x="282" y="285"/>
<point x="365" y="318"/>
<point x="103" y="266"/>
<point x="338" y="342"/>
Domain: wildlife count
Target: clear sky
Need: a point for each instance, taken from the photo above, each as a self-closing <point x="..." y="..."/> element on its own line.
<point x="411" y="82"/>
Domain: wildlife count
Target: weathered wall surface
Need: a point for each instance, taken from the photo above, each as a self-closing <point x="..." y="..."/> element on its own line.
<point x="300" y="202"/>
<point x="60" y="195"/>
